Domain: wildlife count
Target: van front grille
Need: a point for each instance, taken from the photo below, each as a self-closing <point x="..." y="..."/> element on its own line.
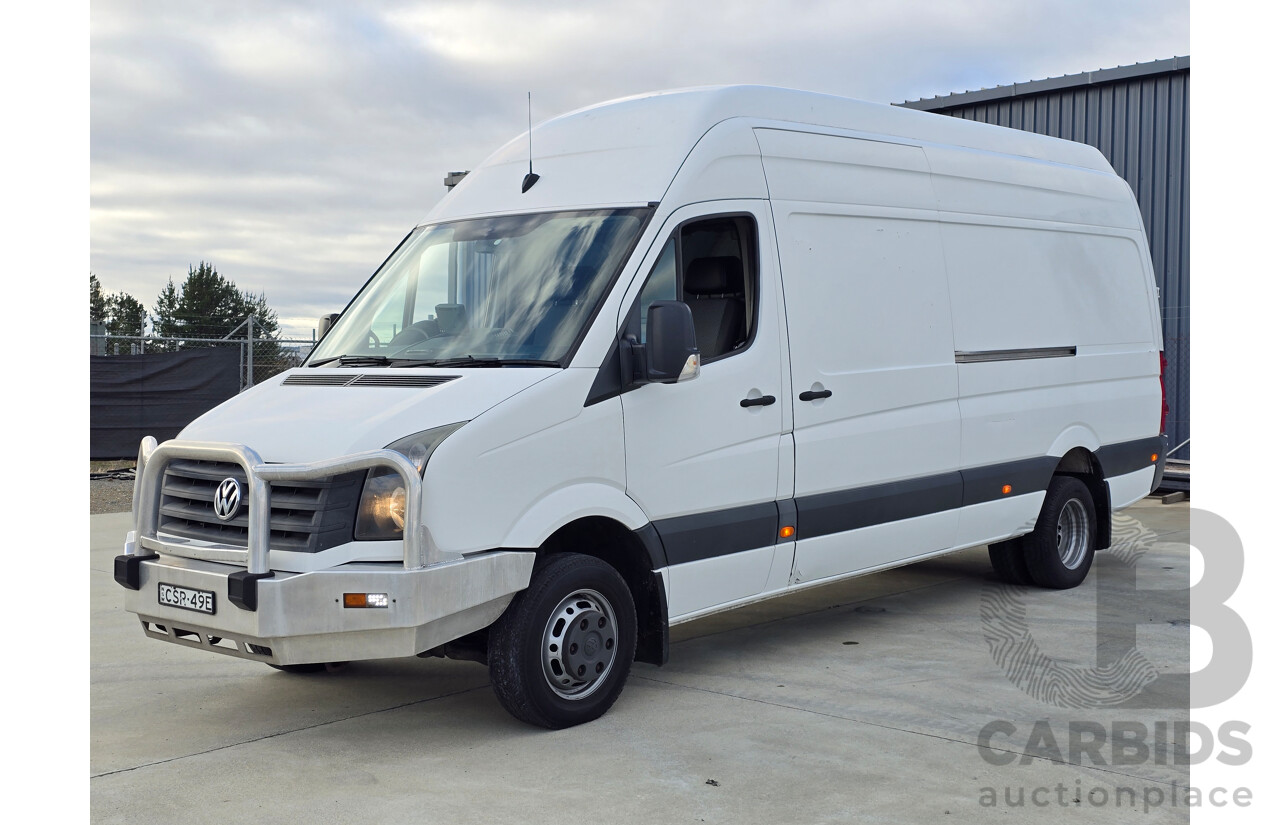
<point x="306" y="516"/>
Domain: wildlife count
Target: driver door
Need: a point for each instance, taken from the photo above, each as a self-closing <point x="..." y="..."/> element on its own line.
<point x="703" y="455"/>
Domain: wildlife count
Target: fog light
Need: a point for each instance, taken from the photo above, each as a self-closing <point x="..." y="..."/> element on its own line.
<point x="365" y="600"/>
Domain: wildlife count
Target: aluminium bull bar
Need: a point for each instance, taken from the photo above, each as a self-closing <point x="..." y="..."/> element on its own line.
<point x="144" y="541"/>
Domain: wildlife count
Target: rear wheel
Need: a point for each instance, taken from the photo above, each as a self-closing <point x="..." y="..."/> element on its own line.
<point x="560" y="654"/>
<point x="1059" y="552"/>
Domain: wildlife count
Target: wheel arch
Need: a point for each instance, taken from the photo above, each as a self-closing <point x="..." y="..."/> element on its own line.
<point x="566" y="505"/>
<point x="1082" y="463"/>
<point x="637" y="555"/>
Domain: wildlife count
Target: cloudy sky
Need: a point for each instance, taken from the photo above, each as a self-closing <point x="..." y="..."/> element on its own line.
<point x="292" y="144"/>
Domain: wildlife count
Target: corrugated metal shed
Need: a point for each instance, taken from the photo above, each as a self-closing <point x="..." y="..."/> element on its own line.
<point x="1137" y="116"/>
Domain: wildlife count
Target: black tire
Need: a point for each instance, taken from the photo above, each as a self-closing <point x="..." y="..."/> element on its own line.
<point x="547" y="668"/>
<point x="1008" y="559"/>
<point x="1059" y="552"/>
<point x="309" y="667"/>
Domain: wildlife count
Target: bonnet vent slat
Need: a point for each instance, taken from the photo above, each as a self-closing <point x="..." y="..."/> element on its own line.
<point x="319" y="380"/>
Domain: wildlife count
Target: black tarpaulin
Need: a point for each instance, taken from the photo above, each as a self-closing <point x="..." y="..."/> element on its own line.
<point x="132" y="396"/>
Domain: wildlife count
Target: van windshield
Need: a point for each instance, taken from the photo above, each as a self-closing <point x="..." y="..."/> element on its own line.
<point x="509" y="289"/>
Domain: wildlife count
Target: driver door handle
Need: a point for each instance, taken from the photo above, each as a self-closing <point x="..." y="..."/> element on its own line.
<point x="811" y="395"/>
<point x="762" y="401"/>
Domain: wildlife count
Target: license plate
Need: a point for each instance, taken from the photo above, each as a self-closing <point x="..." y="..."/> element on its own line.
<point x="186" y="598"/>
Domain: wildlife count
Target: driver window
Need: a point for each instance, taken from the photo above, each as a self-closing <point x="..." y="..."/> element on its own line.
<point x="709" y="264"/>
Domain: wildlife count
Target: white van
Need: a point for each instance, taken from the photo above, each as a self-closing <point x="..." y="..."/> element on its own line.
<point x="705" y="347"/>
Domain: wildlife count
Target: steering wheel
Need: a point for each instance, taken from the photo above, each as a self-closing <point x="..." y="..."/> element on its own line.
<point x="409" y="335"/>
<point x="373" y="342"/>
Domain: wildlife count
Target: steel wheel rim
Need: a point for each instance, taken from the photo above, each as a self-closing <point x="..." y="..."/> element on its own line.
<point x="579" y="644"/>
<point x="1073" y="534"/>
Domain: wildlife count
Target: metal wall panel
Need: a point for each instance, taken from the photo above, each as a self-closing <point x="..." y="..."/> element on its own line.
<point x="1138" y="117"/>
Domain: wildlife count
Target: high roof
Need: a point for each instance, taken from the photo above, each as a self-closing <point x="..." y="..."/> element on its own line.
<point x="627" y="151"/>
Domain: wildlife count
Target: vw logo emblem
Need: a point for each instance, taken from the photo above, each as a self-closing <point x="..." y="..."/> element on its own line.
<point x="226" y="501"/>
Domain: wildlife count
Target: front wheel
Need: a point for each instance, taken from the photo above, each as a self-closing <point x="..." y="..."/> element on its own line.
<point x="560" y="654"/>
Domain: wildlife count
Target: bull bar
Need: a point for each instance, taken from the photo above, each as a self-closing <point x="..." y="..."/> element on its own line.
<point x="284" y="617"/>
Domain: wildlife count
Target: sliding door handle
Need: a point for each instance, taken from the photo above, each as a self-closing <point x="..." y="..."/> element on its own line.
<point x="811" y="395"/>
<point x="762" y="401"/>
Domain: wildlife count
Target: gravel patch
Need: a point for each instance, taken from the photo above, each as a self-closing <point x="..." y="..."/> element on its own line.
<point x="110" y="495"/>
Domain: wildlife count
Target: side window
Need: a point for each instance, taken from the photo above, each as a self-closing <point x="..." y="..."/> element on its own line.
<point x="661" y="285"/>
<point x="710" y="264"/>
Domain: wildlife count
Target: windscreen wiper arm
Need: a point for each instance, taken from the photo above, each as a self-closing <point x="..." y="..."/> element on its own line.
<point x="355" y="361"/>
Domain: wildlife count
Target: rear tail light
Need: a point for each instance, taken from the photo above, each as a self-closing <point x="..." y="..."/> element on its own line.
<point x="1164" y="396"/>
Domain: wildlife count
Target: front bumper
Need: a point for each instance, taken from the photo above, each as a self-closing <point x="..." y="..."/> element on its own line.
<point x="300" y="617"/>
<point x="293" y="618"/>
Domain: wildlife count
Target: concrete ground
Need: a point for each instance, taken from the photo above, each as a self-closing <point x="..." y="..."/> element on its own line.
<point x="859" y="700"/>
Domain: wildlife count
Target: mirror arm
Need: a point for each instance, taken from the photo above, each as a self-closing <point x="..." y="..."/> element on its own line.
<point x="631" y="358"/>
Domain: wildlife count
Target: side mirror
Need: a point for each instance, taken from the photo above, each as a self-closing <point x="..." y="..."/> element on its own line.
<point x="326" y="323"/>
<point x="671" y="351"/>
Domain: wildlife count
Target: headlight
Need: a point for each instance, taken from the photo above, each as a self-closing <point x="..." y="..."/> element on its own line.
<point x="382" y="504"/>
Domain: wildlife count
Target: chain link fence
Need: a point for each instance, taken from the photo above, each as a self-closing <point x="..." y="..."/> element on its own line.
<point x="260" y="356"/>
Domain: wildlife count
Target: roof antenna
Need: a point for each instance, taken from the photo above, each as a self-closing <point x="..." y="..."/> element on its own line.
<point x="531" y="178"/>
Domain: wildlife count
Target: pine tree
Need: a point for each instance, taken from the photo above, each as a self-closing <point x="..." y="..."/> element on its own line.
<point x="125" y="315"/>
<point x="207" y="305"/>
<point x="264" y="317"/>
<point x="97" y="301"/>
<point x="120" y="314"/>
<point x="166" y="319"/>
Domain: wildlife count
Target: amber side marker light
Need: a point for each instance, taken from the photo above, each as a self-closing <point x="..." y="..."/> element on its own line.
<point x="1006" y="489"/>
<point x="365" y="600"/>
<point x="787" y="532"/>
<point x="1155" y="456"/>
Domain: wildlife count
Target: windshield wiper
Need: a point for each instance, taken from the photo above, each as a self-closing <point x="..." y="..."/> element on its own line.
<point x="472" y="361"/>
<point x="355" y="361"/>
